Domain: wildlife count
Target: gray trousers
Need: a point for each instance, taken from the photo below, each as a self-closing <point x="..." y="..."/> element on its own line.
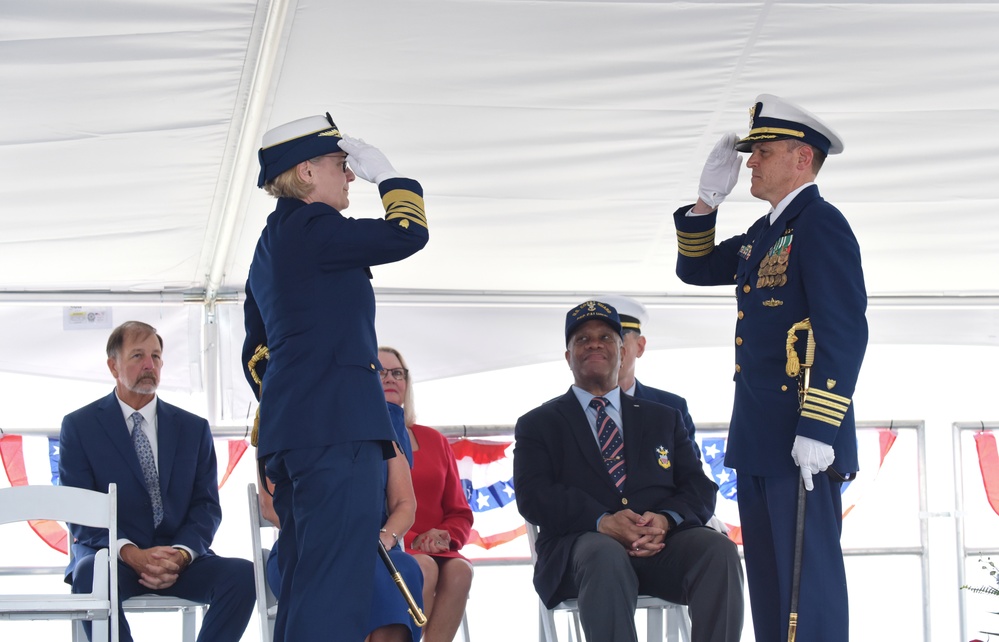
<point x="698" y="567"/>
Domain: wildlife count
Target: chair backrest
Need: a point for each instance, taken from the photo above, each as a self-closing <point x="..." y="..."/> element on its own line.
<point x="59" y="503"/>
<point x="75" y="506"/>
<point x="265" y="597"/>
<point x="532" y="540"/>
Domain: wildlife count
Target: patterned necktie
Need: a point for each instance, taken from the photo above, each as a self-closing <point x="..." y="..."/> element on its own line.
<point x="145" y="452"/>
<point x="611" y="443"/>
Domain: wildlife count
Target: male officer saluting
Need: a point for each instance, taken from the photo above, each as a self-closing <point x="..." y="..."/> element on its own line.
<point x="801" y="261"/>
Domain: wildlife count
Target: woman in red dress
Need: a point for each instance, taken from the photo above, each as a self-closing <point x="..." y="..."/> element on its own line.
<point x="443" y="517"/>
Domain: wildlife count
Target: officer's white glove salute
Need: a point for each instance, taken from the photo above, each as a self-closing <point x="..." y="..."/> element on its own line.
<point x="812" y="457"/>
<point x="367" y="161"/>
<point x="721" y="171"/>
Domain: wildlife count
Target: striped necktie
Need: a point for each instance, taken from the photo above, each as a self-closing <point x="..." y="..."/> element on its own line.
<point x="611" y="443"/>
<point x="144" y="450"/>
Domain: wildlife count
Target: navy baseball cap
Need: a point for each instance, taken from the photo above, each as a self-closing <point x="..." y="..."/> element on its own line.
<point x="589" y="311"/>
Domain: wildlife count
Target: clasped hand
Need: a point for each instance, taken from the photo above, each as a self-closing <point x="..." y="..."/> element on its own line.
<point x="643" y="535"/>
<point x="434" y="540"/>
<point x="158" y="567"/>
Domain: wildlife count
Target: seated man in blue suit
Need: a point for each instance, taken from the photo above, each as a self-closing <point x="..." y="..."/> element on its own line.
<point x="621" y="499"/>
<point x="163" y="461"/>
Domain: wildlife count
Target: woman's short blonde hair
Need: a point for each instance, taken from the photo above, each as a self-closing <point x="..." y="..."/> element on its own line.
<point x="288" y="184"/>
<point x="408" y="408"/>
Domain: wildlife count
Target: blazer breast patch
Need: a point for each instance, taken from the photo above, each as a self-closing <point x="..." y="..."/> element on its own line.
<point x="664" y="458"/>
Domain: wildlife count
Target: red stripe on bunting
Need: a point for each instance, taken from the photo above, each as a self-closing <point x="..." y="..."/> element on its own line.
<point x="12" y="453"/>
<point x="886" y="437"/>
<point x="236" y="449"/>
<point x="490" y="541"/>
<point x="479" y="452"/>
<point x="988" y="461"/>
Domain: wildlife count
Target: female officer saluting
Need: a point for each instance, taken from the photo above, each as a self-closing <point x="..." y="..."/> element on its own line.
<point x="324" y="427"/>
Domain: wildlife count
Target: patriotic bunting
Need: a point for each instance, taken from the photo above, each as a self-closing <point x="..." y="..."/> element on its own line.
<point x="236" y="449"/>
<point x="988" y="462"/>
<point x="872" y="447"/>
<point x="12" y="453"/>
<point x="486" y="472"/>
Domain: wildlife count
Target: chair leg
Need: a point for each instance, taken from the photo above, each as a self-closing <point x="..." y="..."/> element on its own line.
<point x="189" y="624"/>
<point x="654" y="624"/>
<point x="546" y="623"/>
<point x="684" y="623"/>
<point x="100" y="631"/>
<point x="464" y="628"/>
<point x="576" y="627"/>
<point x="673" y="625"/>
<point x="677" y="624"/>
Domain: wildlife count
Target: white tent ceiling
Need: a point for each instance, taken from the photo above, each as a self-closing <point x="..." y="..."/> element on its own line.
<point x="553" y="139"/>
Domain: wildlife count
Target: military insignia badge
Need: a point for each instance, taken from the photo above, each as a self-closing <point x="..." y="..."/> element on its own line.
<point x="664" y="458"/>
<point x="773" y="267"/>
<point x="830" y="384"/>
<point x="746" y="250"/>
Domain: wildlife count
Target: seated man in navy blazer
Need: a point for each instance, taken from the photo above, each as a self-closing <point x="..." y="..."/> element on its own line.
<point x="621" y="499"/>
<point x="163" y="461"/>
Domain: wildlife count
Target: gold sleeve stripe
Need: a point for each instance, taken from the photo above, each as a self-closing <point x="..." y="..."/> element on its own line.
<point x="825" y="406"/>
<point x="695" y="244"/>
<point x="825" y="394"/>
<point x="708" y="235"/>
<point x="402" y="203"/>
<point x="699" y="247"/>
<point x="406" y="210"/>
<point x="823" y="418"/>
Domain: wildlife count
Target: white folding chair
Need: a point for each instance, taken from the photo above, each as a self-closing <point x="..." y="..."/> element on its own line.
<point x="153" y="603"/>
<point x="677" y="620"/>
<point x="266" y="602"/>
<point x="77" y="506"/>
<point x="465" y="635"/>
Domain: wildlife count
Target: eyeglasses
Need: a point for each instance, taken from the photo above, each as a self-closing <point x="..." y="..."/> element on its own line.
<point x="337" y="159"/>
<point x="399" y="374"/>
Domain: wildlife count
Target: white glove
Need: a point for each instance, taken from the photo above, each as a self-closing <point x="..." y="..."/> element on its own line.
<point x="367" y="161"/>
<point x="721" y="171"/>
<point x="812" y="457"/>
